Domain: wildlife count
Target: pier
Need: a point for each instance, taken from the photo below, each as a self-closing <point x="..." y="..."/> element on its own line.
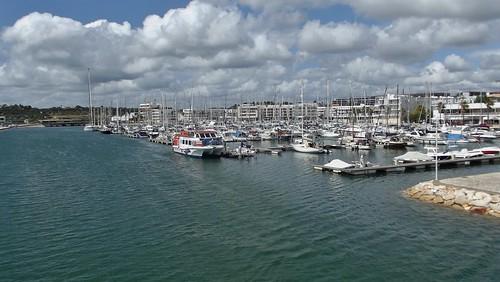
<point x="409" y="167"/>
<point x="479" y="194"/>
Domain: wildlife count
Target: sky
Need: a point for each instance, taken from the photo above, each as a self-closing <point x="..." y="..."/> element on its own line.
<point x="231" y="51"/>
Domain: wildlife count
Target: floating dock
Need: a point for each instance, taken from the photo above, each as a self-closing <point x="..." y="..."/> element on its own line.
<point x="408" y="167"/>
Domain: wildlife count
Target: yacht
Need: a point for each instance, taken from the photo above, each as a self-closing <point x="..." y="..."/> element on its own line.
<point x="198" y="143"/>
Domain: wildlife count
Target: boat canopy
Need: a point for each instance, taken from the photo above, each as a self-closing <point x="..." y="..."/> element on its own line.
<point x="413" y="156"/>
<point x="339" y="164"/>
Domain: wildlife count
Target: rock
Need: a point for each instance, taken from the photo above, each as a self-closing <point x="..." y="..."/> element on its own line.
<point x="481" y="199"/>
<point x="448" y="196"/>
<point x="480" y="203"/>
<point x="448" y="203"/>
<point x="459" y="193"/>
<point x="427" y="198"/>
<point x="495" y="207"/>
<point x="478" y="210"/>
<point x="466" y="207"/>
<point x="417" y="195"/>
<point x="461" y="199"/>
<point x="458" y="207"/>
<point x="495" y="198"/>
<point x="438" y="200"/>
<point x="412" y="191"/>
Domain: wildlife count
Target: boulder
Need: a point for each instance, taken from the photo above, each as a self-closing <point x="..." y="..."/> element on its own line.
<point x="438" y="200"/>
<point x="461" y="199"/>
<point x="495" y="198"/>
<point x="495" y="207"/>
<point x="448" y="203"/>
<point x="449" y="195"/>
<point x="427" y="198"/>
<point x="458" y="207"/>
<point x="481" y="199"/>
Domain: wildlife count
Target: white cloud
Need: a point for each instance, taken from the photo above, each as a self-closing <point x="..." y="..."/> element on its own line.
<point x="331" y="38"/>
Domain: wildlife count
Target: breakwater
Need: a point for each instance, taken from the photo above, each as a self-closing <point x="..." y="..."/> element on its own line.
<point x="479" y="194"/>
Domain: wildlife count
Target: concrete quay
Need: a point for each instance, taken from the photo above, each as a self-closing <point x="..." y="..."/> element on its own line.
<point x="479" y="194"/>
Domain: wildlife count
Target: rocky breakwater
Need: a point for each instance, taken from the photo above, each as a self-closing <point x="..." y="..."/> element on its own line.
<point x="471" y="200"/>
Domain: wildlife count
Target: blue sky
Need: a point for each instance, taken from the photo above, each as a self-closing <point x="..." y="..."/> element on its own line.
<point x="219" y="49"/>
<point x="133" y="11"/>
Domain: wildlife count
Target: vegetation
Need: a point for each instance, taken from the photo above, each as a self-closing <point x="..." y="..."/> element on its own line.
<point x="464" y="107"/>
<point x="19" y="113"/>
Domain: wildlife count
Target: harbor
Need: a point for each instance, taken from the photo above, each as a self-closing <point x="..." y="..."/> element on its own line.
<point x="157" y="204"/>
<point x="250" y="140"/>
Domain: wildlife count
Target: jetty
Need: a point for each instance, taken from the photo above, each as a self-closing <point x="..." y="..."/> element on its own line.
<point x="409" y="167"/>
<point x="479" y="194"/>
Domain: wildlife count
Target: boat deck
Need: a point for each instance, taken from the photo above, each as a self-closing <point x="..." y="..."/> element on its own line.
<point x="408" y="167"/>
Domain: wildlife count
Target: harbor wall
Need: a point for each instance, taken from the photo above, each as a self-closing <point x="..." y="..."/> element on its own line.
<point x="470" y="200"/>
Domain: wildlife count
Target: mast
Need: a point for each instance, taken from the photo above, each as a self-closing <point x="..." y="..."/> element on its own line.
<point x="91" y="114"/>
<point x="302" y="108"/>
<point x="327" y="101"/>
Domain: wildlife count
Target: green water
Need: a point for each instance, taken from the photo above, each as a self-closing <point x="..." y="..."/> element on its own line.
<point x="86" y="206"/>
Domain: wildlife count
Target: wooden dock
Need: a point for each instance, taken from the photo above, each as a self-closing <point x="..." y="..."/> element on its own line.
<point x="408" y="167"/>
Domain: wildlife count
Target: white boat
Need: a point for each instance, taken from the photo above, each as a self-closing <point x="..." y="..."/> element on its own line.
<point x="488" y="150"/>
<point x="412" y="157"/>
<point x="198" y="143"/>
<point x="330" y="134"/>
<point x="4" y="127"/>
<point x="465" y="154"/>
<point x="306" y="146"/>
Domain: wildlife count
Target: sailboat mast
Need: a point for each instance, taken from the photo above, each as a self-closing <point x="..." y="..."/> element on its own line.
<point x="302" y="108"/>
<point x="91" y="114"/>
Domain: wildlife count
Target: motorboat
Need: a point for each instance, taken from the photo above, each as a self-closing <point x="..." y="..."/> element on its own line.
<point x="488" y="150"/>
<point x="412" y="157"/>
<point x="198" y="143"/>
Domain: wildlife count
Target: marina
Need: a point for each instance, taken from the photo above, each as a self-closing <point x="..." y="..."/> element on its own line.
<point x="163" y="210"/>
<point x="250" y="140"/>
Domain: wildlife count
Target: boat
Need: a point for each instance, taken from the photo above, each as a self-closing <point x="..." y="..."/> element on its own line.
<point x="305" y="145"/>
<point x="198" y="143"/>
<point x="434" y="153"/>
<point x="91" y="126"/>
<point x="412" y="157"/>
<point x="488" y="150"/>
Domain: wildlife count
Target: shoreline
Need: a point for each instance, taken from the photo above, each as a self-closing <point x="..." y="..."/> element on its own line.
<point x="477" y="194"/>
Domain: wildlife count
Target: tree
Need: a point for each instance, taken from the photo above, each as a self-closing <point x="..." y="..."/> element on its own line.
<point x="464" y="107"/>
<point x="440" y="107"/>
<point x="418" y="114"/>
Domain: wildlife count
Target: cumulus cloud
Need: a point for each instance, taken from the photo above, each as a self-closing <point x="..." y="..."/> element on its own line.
<point x="331" y="38"/>
<point x="229" y="49"/>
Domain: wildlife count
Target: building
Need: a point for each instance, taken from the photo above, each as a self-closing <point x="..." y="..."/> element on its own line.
<point x="3" y="119"/>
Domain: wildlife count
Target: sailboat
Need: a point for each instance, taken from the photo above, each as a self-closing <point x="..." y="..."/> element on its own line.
<point x="305" y="145"/>
<point x="90" y="126"/>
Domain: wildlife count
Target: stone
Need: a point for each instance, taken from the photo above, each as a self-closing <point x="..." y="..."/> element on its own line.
<point x="466" y="207"/>
<point x="480" y="203"/>
<point x="459" y="193"/>
<point x="438" y="200"/>
<point x="495" y="207"/>
<point x="417" y="195"/>
<point x="448" y="196"/>
<point x="478" y="210"/>
<point x="481" y="199"/>
<point x="458" y="207"/>
<point x="427" y="198"/>
<point x="448" y="203"/>
<point x="461" y="199"/>
<point x="495" y="198"/>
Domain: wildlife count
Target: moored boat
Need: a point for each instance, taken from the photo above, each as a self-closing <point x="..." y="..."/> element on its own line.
<point x="198" y="143"/>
